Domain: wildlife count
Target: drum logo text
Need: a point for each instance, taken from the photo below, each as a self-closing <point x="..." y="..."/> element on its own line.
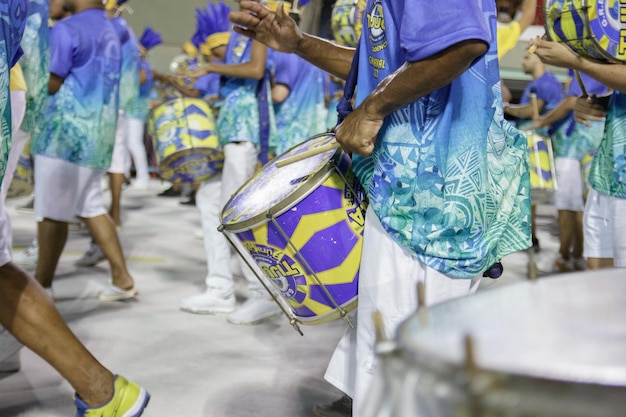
<point x="281" y="273"/>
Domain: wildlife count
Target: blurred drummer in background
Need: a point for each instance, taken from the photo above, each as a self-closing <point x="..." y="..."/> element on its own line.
<point x="139" y="109"/>
<point x="548" y="92"/>
<point x="604" y="220"/>
<point x="571" y="142"/>
<point x="73" y="150"/>
<point x="245" y="126"/>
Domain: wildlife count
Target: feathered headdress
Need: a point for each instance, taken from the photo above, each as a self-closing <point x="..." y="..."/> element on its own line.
<point x="192" y="46"/>
<point x="149" y="39"/>
<point x="112" y="4"/>
<point x="214" y="26"/>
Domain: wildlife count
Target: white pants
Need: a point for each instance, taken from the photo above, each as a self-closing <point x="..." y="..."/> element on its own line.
<point x="136" y="148"/>
<point x="120" y="149"/>
<point x="388" y="279"/>
<point x="18" y="139"/>
<point x="604" y="226"/>
<point x="239" y="164"/>
<point x="65" y="191"/>
<point x="569" y="192"/>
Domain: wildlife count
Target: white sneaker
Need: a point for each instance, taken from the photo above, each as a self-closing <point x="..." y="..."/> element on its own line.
<point x="209" y="302"/>
<point x="254" y="310"/>
<point x="28" y="257"/>
<point x="9" y="352"/>
<point x="92" y="257"/>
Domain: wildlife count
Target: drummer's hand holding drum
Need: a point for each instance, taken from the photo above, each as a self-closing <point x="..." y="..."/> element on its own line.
<point x="359" y="130"/>
<point x="590" y="109"/>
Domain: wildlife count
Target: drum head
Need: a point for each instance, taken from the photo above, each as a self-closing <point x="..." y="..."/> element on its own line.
<point x="275" y="189"/>
<point x="566" y="328"/>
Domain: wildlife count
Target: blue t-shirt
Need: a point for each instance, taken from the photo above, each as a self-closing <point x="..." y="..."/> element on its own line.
<point x="139" y="107"/>
<point x="36" y="61"/>
<point x="303" y="113"/>
<point x="80" y="119"/>
<point x="13" y="16"/>
<point x="448" y="177"/>
<point x="209" y="85"/>
<point x="239" y="118"/>
<point x="548" y="88"/>
<point x="129" y="78"/>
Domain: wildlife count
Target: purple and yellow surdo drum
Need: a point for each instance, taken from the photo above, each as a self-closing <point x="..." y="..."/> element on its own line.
<point x="186" y="142"/>
<point x="346" y="21"/>
<point x="302" y="224"/>
<point x="541" y="164"/>
<point x="590" y="28"/>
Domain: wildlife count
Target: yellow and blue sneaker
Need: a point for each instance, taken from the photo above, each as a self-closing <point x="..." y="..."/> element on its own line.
<point x="129" y="400"/>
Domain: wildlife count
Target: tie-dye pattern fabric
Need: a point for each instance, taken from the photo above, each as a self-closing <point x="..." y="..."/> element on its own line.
<point x="80" y="119"/>
<point x="449" y="176"/>
<point x="608" y="170"/>
<point x="303" y="113"/>
<point x="129" y="77"/>
<point x="13" y="16"/>
<point x="139" y="107"/>
<point x="238" y="119"/>
<point x="36" y="61"/>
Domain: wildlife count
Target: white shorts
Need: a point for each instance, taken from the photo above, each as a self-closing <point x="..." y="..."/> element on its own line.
<point x="65" y="191"/>
<point x="120" y="150"/>
<point x="388" y="280"/>
<point x="604" y="224"/>
<point x="569" y="191"/>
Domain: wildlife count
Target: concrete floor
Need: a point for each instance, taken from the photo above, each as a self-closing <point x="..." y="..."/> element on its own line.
<point x="193" y="366"/>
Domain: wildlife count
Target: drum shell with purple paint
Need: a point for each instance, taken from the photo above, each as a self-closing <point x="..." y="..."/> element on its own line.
<point x="303" y="226"/>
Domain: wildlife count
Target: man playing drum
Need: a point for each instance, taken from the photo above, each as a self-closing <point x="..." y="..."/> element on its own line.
<point x="447" y="183"/>
<point x="604" y="220"/>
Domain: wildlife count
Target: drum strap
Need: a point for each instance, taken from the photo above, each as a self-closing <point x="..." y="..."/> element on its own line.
<point x="344" y="107"/>
<point x="264" y="118"/>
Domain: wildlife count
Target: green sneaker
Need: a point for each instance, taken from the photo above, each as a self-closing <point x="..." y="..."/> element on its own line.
<point x="129" y="400"/>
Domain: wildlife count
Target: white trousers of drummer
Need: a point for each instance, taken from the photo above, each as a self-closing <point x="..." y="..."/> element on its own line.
<point x="388" y="278"/>
<point x="137" y="149"/>
<point x="239" y="164"/>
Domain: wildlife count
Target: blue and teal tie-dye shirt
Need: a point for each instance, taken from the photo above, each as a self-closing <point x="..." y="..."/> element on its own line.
<point x="608" y="170"/>
<point x="239" y="118"/>
<point x="129" y="78"/>
<point x="575" y="140"/>
<point x="448" y="177"/>
<point x="303" y="113"/>
<point x="80" y="119"/>
<point x="139" y="107"/>
<point x="13" y="16"/>
<point x="36" y="61"/>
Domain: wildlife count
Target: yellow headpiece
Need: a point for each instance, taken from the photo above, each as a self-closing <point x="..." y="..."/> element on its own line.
<point x="273" y="5"/>
<point x="190" y="49"/>
<point x="213" y="41"/>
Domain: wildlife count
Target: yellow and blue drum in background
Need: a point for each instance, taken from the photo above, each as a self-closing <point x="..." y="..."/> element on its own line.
<point x="585" y="168"/>
<point x="185" y="140"/>
<point x="591" y="28"/>
<point x="541" y="164"/>
<point x="302" y="224"/>
<point x="346" y="21"/>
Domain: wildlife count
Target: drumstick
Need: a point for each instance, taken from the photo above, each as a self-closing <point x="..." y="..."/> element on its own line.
<point x="533" y="101"/>
<point x="307" y="154"/>
<point x="580" y="83"/>
<point x="532" y="49"/>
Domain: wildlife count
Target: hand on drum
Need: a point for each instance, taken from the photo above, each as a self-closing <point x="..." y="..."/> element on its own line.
<point x="554" y="53"/>
<point x="195" y="73"/>
<point x="274" y="29"/>
<point x="589" y="109"/>
<point x="358" y="132"/>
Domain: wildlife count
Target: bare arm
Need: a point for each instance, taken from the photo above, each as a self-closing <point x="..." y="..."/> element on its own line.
<point x="358" y="132"/>
<point x="565" y="107"/>
<point x="280" y="32"/>
<point x="54" y="83"/>
<point x="255" y="68"/>
<point x="523" y="111"/>
<point x="528" y="14"/>
<point x="553" y="53"/>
